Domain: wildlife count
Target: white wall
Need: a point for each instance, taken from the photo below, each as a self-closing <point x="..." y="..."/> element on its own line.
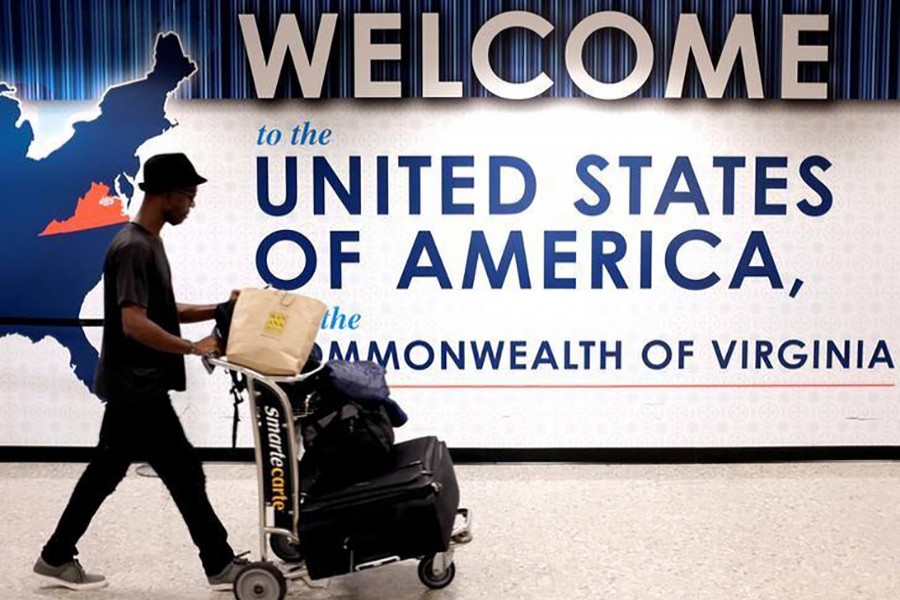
<point x="846" y="258"/>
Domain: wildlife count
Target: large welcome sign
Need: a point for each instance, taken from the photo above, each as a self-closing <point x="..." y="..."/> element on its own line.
<point x="597" y="225"/>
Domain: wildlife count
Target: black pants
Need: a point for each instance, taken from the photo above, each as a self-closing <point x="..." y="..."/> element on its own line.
<point x="147" y="430"/>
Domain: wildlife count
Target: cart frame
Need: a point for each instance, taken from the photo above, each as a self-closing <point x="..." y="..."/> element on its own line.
<point x="264" y="578"/>
<point x="293" y="443"/>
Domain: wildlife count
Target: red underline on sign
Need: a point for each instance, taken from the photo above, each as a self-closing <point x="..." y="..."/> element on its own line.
<point x="634" y="386"/>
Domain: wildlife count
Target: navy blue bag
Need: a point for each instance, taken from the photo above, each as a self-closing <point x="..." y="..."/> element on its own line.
<point x="364" y="382"/>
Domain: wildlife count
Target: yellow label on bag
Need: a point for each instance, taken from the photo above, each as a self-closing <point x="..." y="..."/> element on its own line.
<point x="275" y="324"/>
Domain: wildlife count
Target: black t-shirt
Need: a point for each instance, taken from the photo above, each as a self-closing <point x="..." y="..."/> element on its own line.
<point x="136" y="271"/>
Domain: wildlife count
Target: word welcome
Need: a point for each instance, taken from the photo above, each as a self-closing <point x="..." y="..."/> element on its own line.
<point x="690" y="42"/>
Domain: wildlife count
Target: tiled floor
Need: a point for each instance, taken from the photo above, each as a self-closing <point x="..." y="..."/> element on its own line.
<point x="542" y="532"/>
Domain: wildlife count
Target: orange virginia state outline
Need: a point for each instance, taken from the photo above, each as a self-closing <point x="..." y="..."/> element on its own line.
<point x="95" y="209"/>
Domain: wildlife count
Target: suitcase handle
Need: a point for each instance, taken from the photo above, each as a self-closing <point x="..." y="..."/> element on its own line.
<point x="377" y="563"/>
<point x="348" y="545"/>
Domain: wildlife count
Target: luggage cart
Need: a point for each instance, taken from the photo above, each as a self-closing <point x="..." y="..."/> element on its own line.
<point x="277" y="451"/>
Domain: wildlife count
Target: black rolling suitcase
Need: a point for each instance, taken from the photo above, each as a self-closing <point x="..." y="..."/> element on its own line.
<point x="407" y="512"/>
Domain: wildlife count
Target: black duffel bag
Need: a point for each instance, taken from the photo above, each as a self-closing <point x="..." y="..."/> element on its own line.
<point x="350" y="434"/>
<point x="344" y="443"/>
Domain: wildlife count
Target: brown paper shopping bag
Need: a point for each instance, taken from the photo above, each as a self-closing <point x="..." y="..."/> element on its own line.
<point x="272" y="331"/>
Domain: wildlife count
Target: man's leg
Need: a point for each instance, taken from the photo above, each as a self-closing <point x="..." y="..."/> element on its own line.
<point x="99" y="480"/>
<point x="176" y="462"/>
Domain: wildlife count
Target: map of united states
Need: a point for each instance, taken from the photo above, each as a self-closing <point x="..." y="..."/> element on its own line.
<point x="61" y="212"/>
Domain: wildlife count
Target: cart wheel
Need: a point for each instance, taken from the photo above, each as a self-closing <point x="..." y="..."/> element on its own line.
<point x="285" y="549"/>
<point x="260" y="581"/>
<point x="431" y="580"/>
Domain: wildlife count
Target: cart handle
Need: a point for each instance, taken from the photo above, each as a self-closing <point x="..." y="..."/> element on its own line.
<point x="211" y="362"/>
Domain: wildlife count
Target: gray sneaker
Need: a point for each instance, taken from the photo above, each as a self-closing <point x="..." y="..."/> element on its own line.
<point x="70" y="575"/>
<point x="224" y="581"/>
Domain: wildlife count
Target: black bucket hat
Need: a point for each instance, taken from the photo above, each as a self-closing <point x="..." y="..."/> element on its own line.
<point x="167" y="172"/>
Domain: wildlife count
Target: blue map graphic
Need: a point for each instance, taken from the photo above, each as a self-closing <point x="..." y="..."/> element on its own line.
<point x="48" y="277"/>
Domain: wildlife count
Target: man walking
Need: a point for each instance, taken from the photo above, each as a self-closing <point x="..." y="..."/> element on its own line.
<point x="141" y="361"/>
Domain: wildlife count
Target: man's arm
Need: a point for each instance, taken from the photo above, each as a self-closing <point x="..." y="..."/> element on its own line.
<point x="194" y="313"/>
<point x="138" y="327"/>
